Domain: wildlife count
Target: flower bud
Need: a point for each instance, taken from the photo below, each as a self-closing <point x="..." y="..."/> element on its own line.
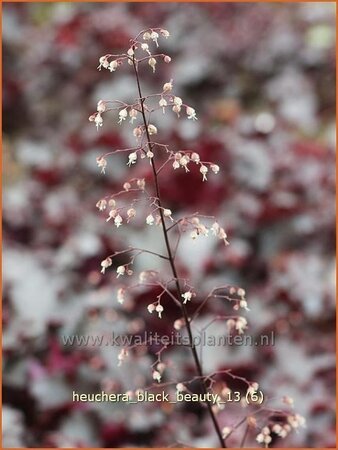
<point x="195" y="157"/>
<point x="164" y="33"/>
<point x="152" y="129"/>
<point x="160" y="367"/>
<point x="120" y="295"/>
<point x="151" y="308"/>
<point x="154" y="36"/>
<point x="177" y="110"/>
<point x="132" y="158"/>
<point x="105" y="264"/>
<point x="122" y="356"/>
<point x="101" y="106"/>
<point x="150" y="219"/>
<point x="152" y="63"/>
<point x="98" y="120"/>
<point x="101" y="204"/>
<point x="241" y="292"/>
<point x="123" y="114"/>
<point x="204" y="171"/>
<point x="112" y="214"/>
<point x="118" y="221"/>
<point x="226" y="431"/>
<point x="156" y="376"/>
<point x="159" y="310"/>
<point x="178" y="324"/>
<point x="167" y="87"/>
<point x="167" y="212"/>
<point x="132" y="115"/>
<point x="191" y="113"/>
<point x="214" y="168"/>
<point x="178" y="101"/>
<point x="101" y="163"/>
<point x="103" y="62"/>
<point x="121" y="270"/>
<point x="141" y="183"/>
<point x="113" y="65"/>
<point x="137" y="132"/>
<point x="163" y="103"/>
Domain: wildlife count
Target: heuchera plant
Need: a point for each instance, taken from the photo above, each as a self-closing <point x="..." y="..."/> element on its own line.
<point x="138" y="199"/>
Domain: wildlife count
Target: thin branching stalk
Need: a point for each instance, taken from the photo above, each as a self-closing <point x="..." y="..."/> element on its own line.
<point x="173" y="266"/>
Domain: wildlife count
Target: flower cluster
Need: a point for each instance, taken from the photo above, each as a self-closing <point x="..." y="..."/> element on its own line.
<point x="183" y="159"/>
<point x="264" y="436"/>
<point x="281" y="429"/>
<point x="199" y="229"/>
<point x="158" y="308"/>
<point x="117" y="212"/>
<point x="240" y="324"/>
<point x="112" y="62"/>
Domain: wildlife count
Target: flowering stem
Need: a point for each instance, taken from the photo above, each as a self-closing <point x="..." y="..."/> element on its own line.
<point x="172" y="263"/>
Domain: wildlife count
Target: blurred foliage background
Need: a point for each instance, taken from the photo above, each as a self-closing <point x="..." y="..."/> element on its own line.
<point x="261" y="78"/>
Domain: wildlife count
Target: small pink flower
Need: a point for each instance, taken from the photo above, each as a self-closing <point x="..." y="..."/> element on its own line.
<point x="122" y="356"/>
<point x="118" y="221"/>
<point x="132" y="115"/>
<point x="167" y="87"/>
<point x="101" y="163"/>
<point x="156" y="376"/>
<point x="152" y="63"/>
<point x="159" y="310"/>
<point x="123" y="114"/>
<point x="101" y="106"/>
<point x="121" y="270"/>
<point x="195" y="157"/>
<point x="150" y="219"/>
<point x="98" y="121"/>
<point x="204" y="171"/>
<point x="113" y="65"/>
<point x="101" y="204"/>
<point x="141" y="184"/>
<point x="131" y="213"/>
<point x="191" y="113"/>
<point x="154" y="36"/>
<point x="164" y="33"/>
<point x="214" y="168"/>
<point x="132" y="158"/>
<point x="152" y="129"/>
<point x="103" y="62"/>
<point x="105" y="264"/>
<point x="187" y="296"/>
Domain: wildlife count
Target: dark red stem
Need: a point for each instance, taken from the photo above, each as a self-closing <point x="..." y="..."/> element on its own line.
<point x="173" y="267"/>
